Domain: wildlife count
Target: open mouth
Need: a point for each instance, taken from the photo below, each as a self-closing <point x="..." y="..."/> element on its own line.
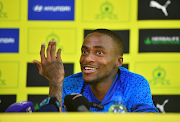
<point x="89" y="69"/>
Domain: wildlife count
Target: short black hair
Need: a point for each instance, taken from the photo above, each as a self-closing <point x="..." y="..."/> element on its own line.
<point x="115" y="37"/>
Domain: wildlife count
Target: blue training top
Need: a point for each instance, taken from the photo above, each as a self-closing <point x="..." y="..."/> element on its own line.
<point x="133" y="88"/>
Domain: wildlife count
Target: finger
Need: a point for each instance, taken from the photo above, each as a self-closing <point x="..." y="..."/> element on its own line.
<point x="42" y="53"/>
<point x="49" y="52"/>
<point x="39" y="66"/>
<point x="53" y="50"/>
<point x="77" y="96"/>
<point x="74" y="93"/>
<point x="59" y="55"/>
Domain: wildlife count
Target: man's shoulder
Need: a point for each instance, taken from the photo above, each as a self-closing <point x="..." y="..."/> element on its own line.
<point x="77" y="75"/>
<point x="126" y="73"/>
<point x="75" y="78"/>
<point x="73" y="84"/>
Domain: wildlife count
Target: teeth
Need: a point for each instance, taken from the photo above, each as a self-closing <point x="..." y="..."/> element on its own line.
<point x="86" y="68"/>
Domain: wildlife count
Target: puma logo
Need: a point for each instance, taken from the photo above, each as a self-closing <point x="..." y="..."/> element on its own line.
<point x="161" y="107"/>
<point x="159" y="6"/>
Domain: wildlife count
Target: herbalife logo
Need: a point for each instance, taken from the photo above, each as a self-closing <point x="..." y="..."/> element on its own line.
<point x="161" y="107"/>
<point x="159" y="75"/>
<point x="36" y="107"/>
<point x="106" y="10"/>
<point x="2" y="14"/>
<point x="7" y="40"/>
<point x="54" y="37"/>
<point x="162" y="40"/>
<point x="41" y="8"/>
<point x="159" y="6"/>
<point x="2" y="82"/>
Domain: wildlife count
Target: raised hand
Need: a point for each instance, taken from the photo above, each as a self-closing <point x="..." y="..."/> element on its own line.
<point x="51" y="67"/>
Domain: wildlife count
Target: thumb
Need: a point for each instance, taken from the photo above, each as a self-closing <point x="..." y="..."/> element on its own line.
<point x="39" y="66"/>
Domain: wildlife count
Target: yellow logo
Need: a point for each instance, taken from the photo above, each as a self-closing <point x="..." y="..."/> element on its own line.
<point x="105" y="10"/>
<point x="9" y="74"/>
<point x="2" y="14"/>
<point x="9" y="10"/>
<point x="66" y="39"/>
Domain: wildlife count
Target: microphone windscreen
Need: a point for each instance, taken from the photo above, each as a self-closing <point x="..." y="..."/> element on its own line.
<point x="72" y="104"/>
<point x="22" y="106"/>
<point x="50" y="104"/>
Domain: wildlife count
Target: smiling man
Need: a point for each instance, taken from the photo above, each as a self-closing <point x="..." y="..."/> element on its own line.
<point x="102" y="76"/>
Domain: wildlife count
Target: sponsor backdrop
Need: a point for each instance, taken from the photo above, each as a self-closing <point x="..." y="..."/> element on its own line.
<point x="150" y="30"/>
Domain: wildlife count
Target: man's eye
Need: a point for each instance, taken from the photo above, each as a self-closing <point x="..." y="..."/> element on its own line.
<point x="99" y="52"/>
<point x="84" y="51"/>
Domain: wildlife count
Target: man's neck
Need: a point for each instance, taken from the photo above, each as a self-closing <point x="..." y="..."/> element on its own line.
<point x="101" y="88"/>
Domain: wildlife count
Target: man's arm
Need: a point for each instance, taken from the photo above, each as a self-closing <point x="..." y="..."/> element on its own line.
<point x="51" y="67"/>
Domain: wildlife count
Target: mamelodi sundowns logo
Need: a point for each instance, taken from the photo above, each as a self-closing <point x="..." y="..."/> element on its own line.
<point x="160" y="74"/>
<point x="9" y="10"/>
<point x="106" y="10"/>
<point x="9" y="72"/>
<point x="66" y="39"/>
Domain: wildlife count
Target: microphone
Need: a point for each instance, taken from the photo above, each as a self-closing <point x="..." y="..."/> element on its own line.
<point x="76" y="102"/>
<point x="50" y="104"/>
<point x="22" y="106"/>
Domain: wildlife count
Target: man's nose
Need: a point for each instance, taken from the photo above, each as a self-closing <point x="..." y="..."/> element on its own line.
<point x="90" y="58"/>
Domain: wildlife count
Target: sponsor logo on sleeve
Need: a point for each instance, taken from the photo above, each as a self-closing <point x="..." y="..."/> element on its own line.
<point x="50" y="10"/>
<point x="9" y="40"/>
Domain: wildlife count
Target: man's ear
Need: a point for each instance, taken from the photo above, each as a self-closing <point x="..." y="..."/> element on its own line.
<point x="119" y="61"/>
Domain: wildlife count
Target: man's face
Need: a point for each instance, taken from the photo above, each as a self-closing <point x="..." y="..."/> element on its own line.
<point x="98" y="58"/>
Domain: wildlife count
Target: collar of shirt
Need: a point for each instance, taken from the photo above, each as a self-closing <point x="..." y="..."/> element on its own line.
<point x="109" y="94"/>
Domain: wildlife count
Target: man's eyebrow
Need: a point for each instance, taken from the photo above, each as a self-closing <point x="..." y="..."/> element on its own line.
<point x="84" y="47"/>
<point x="93" y="47"/>
<point x="99" y="47"/>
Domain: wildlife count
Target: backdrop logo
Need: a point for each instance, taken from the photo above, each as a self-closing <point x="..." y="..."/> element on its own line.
<point x="2" y="82"/>
<point x="36" y="106"/>
<point x="158" y="9"/>
<point x="106" y="10"/>
<point x="9" y="40"/>
<point x="159" y="40"/>
<point x="156" y="40"/>
<point x="50" y="10"/>
<point x="159" y="6"/>
<point x="2" y="14"/>
<point x="159" y="75"/>
<point x="40" y="8"/>
<point x="161" y="107"/>
<point x="52" y="37"/>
